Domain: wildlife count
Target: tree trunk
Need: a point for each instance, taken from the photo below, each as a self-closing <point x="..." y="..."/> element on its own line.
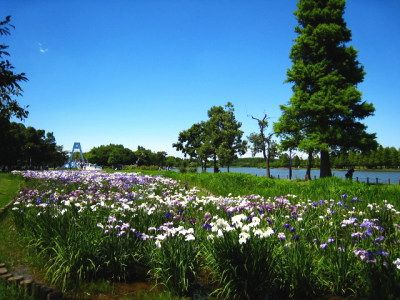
<point x="228" y="168"/>
<point x="216" y="170"/>
<point x="309" y="164"/>
<point x="290" y="165"/>
<point x="268" y="168"/>
<point x="266" y="158"/>
<point x="325" y="167"/>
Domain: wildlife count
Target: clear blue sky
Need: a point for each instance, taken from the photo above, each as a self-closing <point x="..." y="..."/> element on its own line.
<point x="138" y="72"/>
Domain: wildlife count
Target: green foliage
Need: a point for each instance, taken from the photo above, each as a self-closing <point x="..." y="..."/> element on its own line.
<point x="118" y="155"/>
<point x="381" y="158"/>
<point x="9" y="81"/>
<point x="245" y="184"/>
<point x="106" y="155"/>
<point x="28" y="147"/>
<point x="243" y="271"/>
<point x="13" y="292"/>
<point x="176" y="265"/>
<point x="325" y="110"/>
<point x="187" y="167"/>
<point x="9" y="186"/>
<point x="219" y="138"/>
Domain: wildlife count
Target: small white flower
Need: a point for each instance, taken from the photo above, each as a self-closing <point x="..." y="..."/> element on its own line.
<point x="243" y="237"/>
<point x="397" y="263"/>
<point x="190" y="237"/>
<point x="161" y="237"/>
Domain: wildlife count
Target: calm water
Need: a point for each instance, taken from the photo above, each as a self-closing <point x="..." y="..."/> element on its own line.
<point x="373" y="177"/>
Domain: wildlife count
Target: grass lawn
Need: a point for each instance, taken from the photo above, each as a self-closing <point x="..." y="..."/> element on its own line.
<point x="238" y="184"/>
<point x="12" y="250"/>
<point x="9" y="186"/>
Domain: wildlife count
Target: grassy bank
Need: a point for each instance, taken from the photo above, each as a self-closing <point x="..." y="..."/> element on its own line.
<point x="9" y="186"/>
<point x="12" y="249"/>
<point x="238" y="184"/>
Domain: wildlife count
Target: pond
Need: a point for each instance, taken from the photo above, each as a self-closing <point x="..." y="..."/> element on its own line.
<point x="392" y="177"/>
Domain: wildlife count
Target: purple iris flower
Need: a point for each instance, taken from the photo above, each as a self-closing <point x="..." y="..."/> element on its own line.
<point x="367" y="224"/>
<point x="382" y="253"/>
<point x="354" y="199"/>
<point x="368" y="232"/>
<point x="207" y="226"/>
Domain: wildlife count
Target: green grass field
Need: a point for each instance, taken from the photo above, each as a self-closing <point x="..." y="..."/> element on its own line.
<point x="9" y="186"/>
<point x="238" y="184"/>
<point x="10" y="250"/>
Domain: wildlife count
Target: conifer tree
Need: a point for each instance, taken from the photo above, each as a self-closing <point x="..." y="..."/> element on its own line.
<point x="326" y="105"/>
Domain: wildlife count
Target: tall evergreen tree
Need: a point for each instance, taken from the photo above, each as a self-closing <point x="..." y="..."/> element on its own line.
<point x="326" y="105"/>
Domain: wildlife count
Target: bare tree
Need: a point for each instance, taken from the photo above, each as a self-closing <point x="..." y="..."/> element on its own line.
<point x="263" y="142"/>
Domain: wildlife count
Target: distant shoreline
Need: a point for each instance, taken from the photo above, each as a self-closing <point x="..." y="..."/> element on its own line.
<point x="356" y="170"/>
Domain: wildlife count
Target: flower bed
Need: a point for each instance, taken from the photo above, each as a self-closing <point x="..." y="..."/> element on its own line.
<point x="120" y="226"/>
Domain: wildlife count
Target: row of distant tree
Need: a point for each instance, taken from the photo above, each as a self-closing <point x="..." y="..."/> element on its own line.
<point x="118" y="155"/>
<point x="382" y="158"/>
<point x="26" y="147"/>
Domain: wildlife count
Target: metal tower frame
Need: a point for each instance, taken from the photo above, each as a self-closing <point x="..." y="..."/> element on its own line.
<point x="76" y="146"/>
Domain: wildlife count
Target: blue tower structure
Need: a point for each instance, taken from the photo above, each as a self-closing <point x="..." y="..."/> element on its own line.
<point x="72" y="163"/>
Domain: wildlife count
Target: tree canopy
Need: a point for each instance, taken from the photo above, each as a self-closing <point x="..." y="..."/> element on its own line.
<point x="113" y="155"/>
<point x="27" y="147"/>
<point x="219" y="138"/>
<point x="10" y="81"/>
